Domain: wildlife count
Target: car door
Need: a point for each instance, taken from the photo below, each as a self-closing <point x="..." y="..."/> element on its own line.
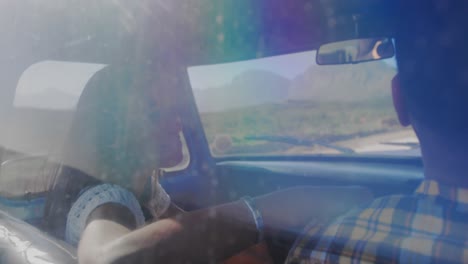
<point x="23" y="243"/>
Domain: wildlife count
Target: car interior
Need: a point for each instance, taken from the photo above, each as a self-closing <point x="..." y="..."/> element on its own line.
<point x="31" y="139"/>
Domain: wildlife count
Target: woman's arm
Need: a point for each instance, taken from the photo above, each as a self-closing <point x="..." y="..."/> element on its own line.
<point x="215" y="233"/>
<point x="188" y="237"/>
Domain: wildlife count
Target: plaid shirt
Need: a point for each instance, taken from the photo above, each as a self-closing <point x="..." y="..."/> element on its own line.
<point x="430" y="226"/>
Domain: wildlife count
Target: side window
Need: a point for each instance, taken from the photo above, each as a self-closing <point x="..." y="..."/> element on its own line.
<point x="43" y="105"/>
<point x="34" y="130"/>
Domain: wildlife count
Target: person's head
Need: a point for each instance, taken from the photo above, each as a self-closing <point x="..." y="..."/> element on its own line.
<point x="431" y="91"/>
<point x="123" y="130"/>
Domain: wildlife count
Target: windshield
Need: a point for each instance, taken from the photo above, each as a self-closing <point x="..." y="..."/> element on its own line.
<point x="288" y="105"/>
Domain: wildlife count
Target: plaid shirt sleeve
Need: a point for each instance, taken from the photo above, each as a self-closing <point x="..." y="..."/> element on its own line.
<point x="427" y="227"/>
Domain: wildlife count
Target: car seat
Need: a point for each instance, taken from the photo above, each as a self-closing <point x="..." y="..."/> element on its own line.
<point x="33" y="132"/>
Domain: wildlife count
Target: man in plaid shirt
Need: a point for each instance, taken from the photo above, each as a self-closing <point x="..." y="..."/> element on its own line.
<point x="431" y="94"/>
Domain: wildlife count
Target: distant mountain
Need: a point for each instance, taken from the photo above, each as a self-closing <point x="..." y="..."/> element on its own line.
<point x="343" y="82"/>
<point x="250" y="88"/>
<point x="340" y="83"/>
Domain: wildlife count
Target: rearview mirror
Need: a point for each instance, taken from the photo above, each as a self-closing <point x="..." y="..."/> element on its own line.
<point x="355" y="51"/>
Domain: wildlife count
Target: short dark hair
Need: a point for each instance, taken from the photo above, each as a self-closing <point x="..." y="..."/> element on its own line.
<point x="432" y="55"/>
